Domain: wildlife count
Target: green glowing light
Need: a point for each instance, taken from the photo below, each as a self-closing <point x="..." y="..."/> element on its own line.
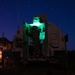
<point x="36" y="22"/>
<point x="40" y="26"/>
<point x="36" y="19"/>
<point x="42" y="35"/>
<point x="27" y="25"/>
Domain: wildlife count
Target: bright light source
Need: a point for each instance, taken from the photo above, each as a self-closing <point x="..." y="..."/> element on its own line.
<point x="0" y="56"/>
<point x="0" y="52"/>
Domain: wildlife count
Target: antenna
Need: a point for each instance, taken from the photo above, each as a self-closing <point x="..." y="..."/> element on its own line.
<point x="3" y="35"/>
<point x="18" y="13"/>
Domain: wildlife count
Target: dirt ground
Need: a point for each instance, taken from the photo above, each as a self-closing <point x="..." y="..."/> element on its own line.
<point x="32" y="69"/>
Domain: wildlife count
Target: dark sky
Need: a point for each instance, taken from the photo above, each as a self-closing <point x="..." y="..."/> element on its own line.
<point x="59" y="12"/>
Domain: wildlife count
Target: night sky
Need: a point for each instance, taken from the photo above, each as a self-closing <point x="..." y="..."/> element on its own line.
<point x="59" y="12"/>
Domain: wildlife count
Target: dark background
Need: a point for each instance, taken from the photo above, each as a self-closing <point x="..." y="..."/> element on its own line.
<point x="59" y="12"/>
